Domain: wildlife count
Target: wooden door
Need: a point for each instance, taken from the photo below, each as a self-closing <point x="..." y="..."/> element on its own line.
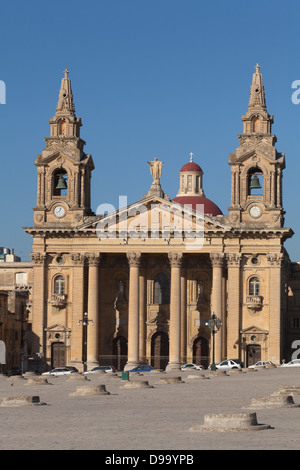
<point x="58" y="355"/>
<point x="253" y="354"/>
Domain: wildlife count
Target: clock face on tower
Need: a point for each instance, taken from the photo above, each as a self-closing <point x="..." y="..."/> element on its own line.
<point x="59" y="211"/>
<point x="255" y="212"/>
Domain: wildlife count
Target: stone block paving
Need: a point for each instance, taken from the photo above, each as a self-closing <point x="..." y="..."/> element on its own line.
<point x="158" y="415"/>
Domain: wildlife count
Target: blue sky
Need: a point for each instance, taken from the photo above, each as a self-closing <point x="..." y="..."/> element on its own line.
<point x="159" y="78"/>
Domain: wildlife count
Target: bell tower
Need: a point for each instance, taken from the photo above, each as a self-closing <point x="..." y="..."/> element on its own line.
<point x="64" y="170"/>
<point x="256" y="166"/>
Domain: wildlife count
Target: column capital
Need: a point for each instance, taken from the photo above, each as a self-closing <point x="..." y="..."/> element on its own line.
<point x="217" y="260"/>
<point x="175" y="259"/>
<point x="233" y="259"/>
<point x="93" y="259"/>
<point x="134" y="259"/>
<point x="38" y="258"/>
<point x="275" y="259"/>
<point x="77" y="258"/>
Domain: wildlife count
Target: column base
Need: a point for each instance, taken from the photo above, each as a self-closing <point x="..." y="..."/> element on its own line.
<point x="173" y="366"/>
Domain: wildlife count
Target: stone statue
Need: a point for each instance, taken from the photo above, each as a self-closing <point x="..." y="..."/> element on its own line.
<point x="155" y="169"/>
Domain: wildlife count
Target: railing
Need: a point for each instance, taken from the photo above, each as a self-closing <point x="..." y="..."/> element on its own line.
<point x="58" y="300"/>
<point x="254" y="302"/>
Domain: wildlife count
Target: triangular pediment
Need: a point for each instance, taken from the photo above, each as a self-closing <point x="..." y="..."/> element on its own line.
<point x="258" y="154"/>
<point x="254" y="152"/>
<point x="59" y="328"/>
<point x="157" y="215"/>
<point x="61" y="157"/>
<point x="254" y="330"/>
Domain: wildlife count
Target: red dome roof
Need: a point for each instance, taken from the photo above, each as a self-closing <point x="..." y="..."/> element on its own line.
<point x="191" y="166"/>
<point x="209" y="206"/>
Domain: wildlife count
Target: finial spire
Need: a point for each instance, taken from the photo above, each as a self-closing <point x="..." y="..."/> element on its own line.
<point x="257" y="92"/>
<point x="65" y="103"/>
<point x="191" y="156"/>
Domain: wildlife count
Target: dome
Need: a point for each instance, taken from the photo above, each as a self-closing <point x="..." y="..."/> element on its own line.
<point x="209" y="206"/>
<point x="191" y="166"/>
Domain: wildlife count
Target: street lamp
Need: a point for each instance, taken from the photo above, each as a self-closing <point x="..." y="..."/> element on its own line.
<point x="85" y="322"/>
<point x="214" y="324"/>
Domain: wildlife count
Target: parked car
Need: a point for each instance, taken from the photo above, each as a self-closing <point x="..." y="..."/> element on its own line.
<point x="228" y="364"/>
<point x="294" y="363"/>
<point x="107" y="369"/>
<point x="262" y="364"/>
<point x="238" y="361"/>
<point x="142" y="368"/>
<point x="191" y="366"/>
<point x="61" y="371"/>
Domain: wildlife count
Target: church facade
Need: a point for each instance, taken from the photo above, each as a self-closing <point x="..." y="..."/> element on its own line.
<point x="151" y="275"/>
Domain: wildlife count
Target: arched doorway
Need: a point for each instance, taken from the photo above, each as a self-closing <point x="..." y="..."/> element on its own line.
<point x="253" y="354"/>
<point x="201" y="352"/>
<point x="159" y="350"/>
<point x="58" y="355"/>
<point x="119" y="352"/>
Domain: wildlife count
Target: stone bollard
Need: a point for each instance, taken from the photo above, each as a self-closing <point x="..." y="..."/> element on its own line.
<point x="170" y="380"/>
<point x="273" y="401"/>
<point x="37" y="381"/>
<point x="231" y="422"/>
<point x="137" y="384"/>
<point x="89" y="391"/>
<point x="195" y="377"/>
<point x="218" y="373"/>
<point x="76" y="377"/>
<point x="289" y="389"/>
<point x="21" y="401"/>
<point x="16" y="378"/>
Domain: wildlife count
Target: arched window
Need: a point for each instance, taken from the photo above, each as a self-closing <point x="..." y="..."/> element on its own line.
<point x="161" y="289"/>
<point x="256" y="124"/>
<point x="62" y="128"/>
<point x="59" y="285"/>
<point x="254" y="286"/>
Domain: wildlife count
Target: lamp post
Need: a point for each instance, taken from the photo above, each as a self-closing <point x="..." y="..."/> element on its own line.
<point x="85" y="322"/>
<point x="214" y="324"/>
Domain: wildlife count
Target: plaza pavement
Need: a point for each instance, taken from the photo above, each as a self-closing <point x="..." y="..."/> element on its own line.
<point x="157" y="418"/>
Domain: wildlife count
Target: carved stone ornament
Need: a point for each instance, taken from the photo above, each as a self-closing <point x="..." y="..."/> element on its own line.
<point x="217" y="260"/>
<point x="175" y="259"/>
<point x="134" y="259"/>
<point x="93" y="259"/>
<point x="275" y="259"/>
<point x="39" y="217"/>
<point x="77" y="258"/>
<point x="38" y="258"/>
<point x="233" y="259"/>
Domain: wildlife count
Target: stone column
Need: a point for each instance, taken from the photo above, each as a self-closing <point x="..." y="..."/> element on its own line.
<point x="133" y="310"/>
<point x="234" y="306"/>
<point x="175" y="312"/>
<point x="183" y="317"/>
<point x="217" y="260"/>
<point x="142" y="316"/>
<point x="93" y="310"/>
